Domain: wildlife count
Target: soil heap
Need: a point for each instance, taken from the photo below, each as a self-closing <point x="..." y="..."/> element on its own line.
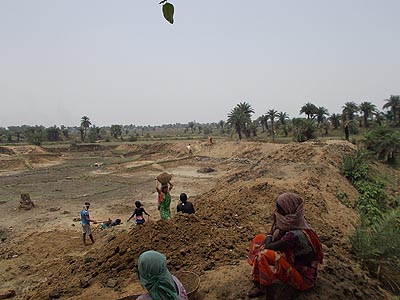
<point x="227" y="218"/>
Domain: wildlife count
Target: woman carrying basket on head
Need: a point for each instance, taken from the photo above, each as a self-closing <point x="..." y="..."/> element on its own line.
<point x="164" y="199"/>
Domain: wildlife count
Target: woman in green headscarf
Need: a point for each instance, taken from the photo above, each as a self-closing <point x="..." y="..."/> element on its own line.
<point x="157" y="280"/>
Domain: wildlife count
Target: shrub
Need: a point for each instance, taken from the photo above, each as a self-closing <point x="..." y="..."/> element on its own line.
<point x="373" y="200"/>
<point x="384" y="142"/>
<point x="378" y="248"/>
<point x="304" y="130"/>
<point x="355" y="167"/>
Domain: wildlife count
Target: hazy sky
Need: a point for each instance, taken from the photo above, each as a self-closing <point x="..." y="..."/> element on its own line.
<point x="120" y="62"/>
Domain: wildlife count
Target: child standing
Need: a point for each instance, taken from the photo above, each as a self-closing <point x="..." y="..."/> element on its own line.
<point x="138" y="212"/>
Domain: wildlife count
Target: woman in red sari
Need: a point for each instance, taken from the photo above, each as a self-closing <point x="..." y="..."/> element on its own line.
<point x="291" y="252"/>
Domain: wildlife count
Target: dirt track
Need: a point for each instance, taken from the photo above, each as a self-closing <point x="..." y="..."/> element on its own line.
<point x="43" y="253"/>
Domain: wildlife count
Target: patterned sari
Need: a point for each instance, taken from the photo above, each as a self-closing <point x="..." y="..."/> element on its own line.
<point x="289" y="268"/>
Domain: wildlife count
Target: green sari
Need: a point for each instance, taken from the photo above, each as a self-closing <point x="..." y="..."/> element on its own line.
<point x="165" y="207"/>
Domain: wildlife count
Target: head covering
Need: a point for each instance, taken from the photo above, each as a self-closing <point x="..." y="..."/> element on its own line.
<point x="293" y="207"/>
<point x="155" y="277"/>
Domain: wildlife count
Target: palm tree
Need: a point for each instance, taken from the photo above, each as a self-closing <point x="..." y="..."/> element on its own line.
<point x="325" y="125"/>
<point x="335" y="120"/>
<point x="236" y="118"/>
<point x="309" y="109"/>
<point x="246" y="107"/>
<point x="240" y="118"/>
<point x="282" y="117"/>
<point x="349" y="110"/>
<point x="272" y="114"/>
<point x="320" y="114"/>
<point x="85" y="123"/>
<point x="380" y="117"/>
<point x="263" y="119"/>
<point x="384" y="141"/>
<point x="393" y="103"/>
<point x="253" y="127"/>
<point x="221" y="124"/>
<point x="191" y="125"/>
<point x="367" y="108"/>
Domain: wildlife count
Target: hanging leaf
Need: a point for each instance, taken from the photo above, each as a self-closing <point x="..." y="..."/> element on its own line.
<point x="168" y="11"/>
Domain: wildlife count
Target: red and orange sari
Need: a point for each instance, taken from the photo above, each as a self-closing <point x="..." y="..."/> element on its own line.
<point x="269" y="265"/>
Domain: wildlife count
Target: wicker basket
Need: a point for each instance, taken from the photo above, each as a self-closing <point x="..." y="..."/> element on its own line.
<point x="164" y="178"/>
<point x="189" y="280"/>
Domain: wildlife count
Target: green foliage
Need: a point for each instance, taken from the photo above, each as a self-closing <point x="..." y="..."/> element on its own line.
<point x="384" y="142"/>
<point x="373" y="200"/>
<point x="355" y="166"/>
<point x="377" y="241"/>
<point x="36" y="139"/>
<point x="133" y="138"/>
<point x="35" y="135"/>
<point x="168" y="12"/>
<point x="349" y="111"/>
<point x="94" y="134"/>
<point x="367" y="109"/>
<point x="343" y="198"/>
<point x="378" y="248"/>
<point x="393" y="103"/>
<point x="309" y="109"/>
<point x="85" y="123"/>
<point x="240" y="118"/>
<point x="9" y="136"/>
<point x="304" y="129"/>
<point x="53" y="133"/>
<point x="116" y="131"/>
<point x="335" y="120"/>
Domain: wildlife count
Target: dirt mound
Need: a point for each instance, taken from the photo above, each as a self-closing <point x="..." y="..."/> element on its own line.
<point x="227" y="218"/>
<point x="30" y="149"/>
<point x="6" y="151"/>
<point x="89" y="148"/>
<point x="154" y="148"/>
<point x="125" y="148"/>
<point x="26" y="157"/>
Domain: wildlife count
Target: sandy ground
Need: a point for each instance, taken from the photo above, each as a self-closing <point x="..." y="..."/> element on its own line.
<point x="42" y="255"/>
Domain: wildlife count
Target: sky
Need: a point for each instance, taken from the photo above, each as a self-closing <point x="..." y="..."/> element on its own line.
<point x="120" y="62"/>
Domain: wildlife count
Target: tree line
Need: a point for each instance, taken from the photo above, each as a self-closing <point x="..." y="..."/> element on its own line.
<point x="316" y="120"/>
<point x="353" y="116"/>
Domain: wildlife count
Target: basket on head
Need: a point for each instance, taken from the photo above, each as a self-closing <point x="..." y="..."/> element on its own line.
<point x="189" y="280"/>
<point x="164" y="178"/>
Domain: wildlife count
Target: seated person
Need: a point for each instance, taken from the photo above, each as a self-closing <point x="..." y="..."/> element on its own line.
<point x="185" y="206"/>
<point x="291" y="252"/>
<point x="155" y="277"/>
